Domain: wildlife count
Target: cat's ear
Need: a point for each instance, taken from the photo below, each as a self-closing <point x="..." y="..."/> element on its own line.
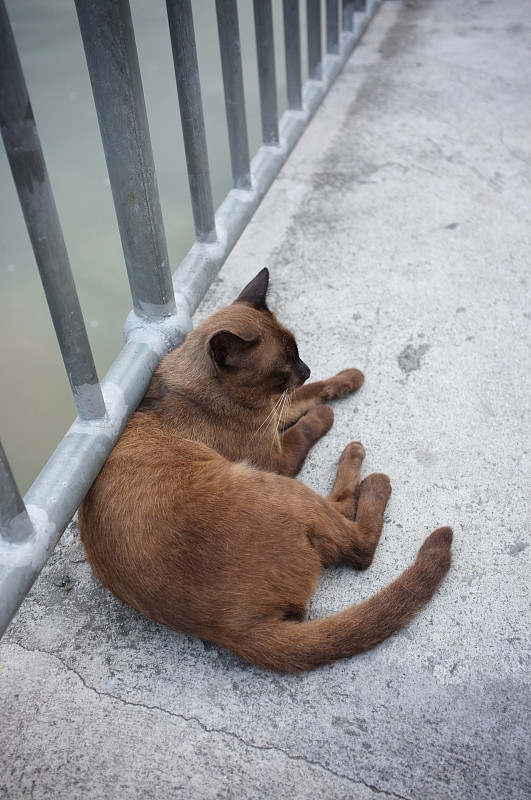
<point x="227" y="348"/>
<point x="255" y="292"/>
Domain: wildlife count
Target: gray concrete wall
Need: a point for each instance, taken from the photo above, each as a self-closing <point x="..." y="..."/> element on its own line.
<point x="398" y="242"/>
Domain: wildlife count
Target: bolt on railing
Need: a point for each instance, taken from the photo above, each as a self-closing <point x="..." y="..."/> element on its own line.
<point x="162" y="305"/>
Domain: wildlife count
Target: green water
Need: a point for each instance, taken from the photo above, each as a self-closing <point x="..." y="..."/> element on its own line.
<point x="36" y="407"/>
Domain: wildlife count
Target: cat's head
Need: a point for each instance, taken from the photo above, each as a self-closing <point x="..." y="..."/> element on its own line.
<point x="250" y="350"/>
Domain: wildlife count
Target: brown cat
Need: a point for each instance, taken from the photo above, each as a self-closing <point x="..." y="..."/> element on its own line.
<point x="196" y="521"/>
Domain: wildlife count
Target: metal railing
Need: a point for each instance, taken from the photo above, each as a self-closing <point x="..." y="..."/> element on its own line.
<point x="162" y="305"/>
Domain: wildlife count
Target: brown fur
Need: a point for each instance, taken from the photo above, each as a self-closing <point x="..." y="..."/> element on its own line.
<point x="196" y="521"/>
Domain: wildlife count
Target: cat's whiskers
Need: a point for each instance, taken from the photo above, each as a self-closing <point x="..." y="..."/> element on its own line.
<point x="284" y="410"/>
<point x="269" y="417"/>
<point x="285" y="404"/>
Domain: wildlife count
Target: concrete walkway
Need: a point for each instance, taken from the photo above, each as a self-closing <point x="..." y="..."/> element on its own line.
<point x="398" y="242"/>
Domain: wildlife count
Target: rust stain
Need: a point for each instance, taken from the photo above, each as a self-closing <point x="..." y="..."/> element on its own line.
<point x="132" y="198"/>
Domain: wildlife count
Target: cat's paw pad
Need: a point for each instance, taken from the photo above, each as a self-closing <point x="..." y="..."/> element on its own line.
<point x="343" y="383"/>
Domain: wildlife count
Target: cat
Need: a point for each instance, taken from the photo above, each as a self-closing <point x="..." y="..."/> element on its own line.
<point x="196" y="519"/>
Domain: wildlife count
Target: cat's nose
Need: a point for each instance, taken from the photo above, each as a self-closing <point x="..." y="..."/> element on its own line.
<point x="303" y="370"/>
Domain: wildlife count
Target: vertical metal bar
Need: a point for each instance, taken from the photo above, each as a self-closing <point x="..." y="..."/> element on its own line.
<point x="348" y="16"/>
<point x="231" y="64"/>
<point x="15" y="524"/>
<point x="189" y="89"/>
<point x="332" y="27"/>
<point x="292" y="44"/>
<point x="265" y="52"/>
<point x="109" y="42"/>
<point x="27" y="164"/>
<point x="313" y="13"/>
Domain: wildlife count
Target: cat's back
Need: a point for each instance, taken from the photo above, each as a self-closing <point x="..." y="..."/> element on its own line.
<point x="149" y="462"/>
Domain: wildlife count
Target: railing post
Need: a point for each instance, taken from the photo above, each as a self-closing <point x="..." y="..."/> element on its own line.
<point x="313" y="14"/>
<point x="189" y="90"/>
<point x="17" y="539"/>
<point x="110" y="49"/>
<point x="27" y="164"/>
<point x="332" y="27"/>
<point x="265" y="52"/>
<point x="15" y="524"/>
<point x="348" y="15"/>
<point x="231" y="64"/>
<point x="292" y="46"/>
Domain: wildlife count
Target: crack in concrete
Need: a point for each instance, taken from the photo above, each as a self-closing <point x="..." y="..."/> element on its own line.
<point x="206" y="729"/>
<point x="515" y="154"/>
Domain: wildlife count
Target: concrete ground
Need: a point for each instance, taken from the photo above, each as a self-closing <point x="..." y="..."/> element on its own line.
<point x="398" y="241"/>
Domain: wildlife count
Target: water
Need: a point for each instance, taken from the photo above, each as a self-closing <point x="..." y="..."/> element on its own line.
<point x="36" y="407"/>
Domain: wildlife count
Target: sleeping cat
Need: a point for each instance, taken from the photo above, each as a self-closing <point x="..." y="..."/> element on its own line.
<point x="196" y="519"/>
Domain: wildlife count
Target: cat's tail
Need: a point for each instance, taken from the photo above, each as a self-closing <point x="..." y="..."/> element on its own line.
<point x="287" y="646"/>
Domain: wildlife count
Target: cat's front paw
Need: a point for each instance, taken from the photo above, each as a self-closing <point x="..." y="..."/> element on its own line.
<point x="321" y="417"/>
<point x="345" y="382"/>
